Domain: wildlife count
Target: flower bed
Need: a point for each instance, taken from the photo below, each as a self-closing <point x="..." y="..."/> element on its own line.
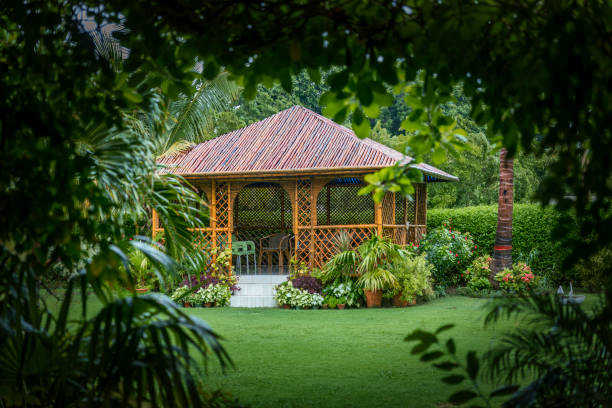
<point x="287" y="294"/>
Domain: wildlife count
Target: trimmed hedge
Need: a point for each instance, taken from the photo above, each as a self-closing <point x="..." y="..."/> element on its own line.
<point x="532" y="226"/>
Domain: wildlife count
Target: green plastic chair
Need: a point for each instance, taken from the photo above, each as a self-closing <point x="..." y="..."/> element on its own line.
<point x="246" y="248"/>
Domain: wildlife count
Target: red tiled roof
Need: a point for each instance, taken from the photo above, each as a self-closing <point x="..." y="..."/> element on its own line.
<point x="292" y="140"/>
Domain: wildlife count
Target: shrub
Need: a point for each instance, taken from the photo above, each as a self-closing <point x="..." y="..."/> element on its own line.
<point x="519" y="279"/>
<point x="308" y="283"/>
<point x="591" y="271"/>
<point x="286" y="294"/>
<point x="212" y="278"/>
<point x="414" y="277"/>
<point x="449" y="251"/>
<point x="477" y="274"/>
<point x="532" y="228"/>
<point x="348" y="291"/>
<point x="181" y="294"/>
<point x="218" y="294"/>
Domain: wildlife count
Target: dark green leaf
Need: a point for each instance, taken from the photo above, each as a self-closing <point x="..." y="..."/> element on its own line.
<point x="453" y="379"/>
<point x="504" y="390"/>
<point x="472" y="364"/>
<point x="433" y="355"/>
<point x="446" y="366"/>
<point x="461" y="397"/>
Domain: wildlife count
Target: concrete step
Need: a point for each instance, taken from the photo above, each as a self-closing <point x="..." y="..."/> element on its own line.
<point x="256" y="291"/>
<point x="252" y="301"/>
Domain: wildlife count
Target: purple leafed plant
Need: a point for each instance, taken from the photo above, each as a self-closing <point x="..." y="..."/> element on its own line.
<point x="307" y="283"/>
<point x="207" y="280"/>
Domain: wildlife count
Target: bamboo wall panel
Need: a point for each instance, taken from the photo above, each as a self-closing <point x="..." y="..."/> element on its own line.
<point x="326" y="238"/>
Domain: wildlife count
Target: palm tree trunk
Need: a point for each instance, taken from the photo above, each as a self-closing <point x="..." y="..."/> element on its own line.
<point x="502" y="251"/>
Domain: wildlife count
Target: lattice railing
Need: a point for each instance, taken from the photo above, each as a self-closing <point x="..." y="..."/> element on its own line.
<point x="222" y="205"/>
<point x="304" y="236"/>
<point x="325" y="240"/>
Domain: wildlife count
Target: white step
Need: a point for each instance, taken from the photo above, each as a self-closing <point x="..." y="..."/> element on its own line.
<point x="256" y="291"/>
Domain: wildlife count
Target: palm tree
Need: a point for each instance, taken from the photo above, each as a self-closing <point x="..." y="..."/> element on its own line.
<point x="502" y="251"/>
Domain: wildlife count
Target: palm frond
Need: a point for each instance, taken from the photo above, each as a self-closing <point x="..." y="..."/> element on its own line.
<point x="566" y="348"/>
<point x="192" y="118"/>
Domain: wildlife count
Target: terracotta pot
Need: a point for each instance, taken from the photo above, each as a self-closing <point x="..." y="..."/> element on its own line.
<point x="187" y="304"/>
<point x="286" y="307"/>
<point x="325" y="306"/>
<point x="306" y="307"/>
<point x="398" y="302"/>
<point x="142" y="290"/>
<point x="373" y="298"/>
<point x="341" y="306"/>
<point x="209" y="304"/>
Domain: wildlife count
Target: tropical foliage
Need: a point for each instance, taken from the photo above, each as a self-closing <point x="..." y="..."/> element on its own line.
<point x="450" y="251"/>
<point x="516" y="280"/>
<point x="413" y="275"/>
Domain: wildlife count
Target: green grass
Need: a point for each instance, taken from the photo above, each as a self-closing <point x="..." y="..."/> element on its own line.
<point x="334" y="358"/>
<point x="339" y="358"/>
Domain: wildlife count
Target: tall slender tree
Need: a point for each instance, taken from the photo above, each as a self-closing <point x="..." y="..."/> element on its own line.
<point x="502" y="251"/>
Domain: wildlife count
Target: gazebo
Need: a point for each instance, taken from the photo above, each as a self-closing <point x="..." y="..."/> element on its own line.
<point x="296" y="176"/>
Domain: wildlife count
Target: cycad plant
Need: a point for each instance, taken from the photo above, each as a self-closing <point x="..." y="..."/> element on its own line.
<point x="377" y="254"/>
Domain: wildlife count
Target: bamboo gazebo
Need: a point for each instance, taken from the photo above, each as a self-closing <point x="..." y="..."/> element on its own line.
<point x="298" y="174"/>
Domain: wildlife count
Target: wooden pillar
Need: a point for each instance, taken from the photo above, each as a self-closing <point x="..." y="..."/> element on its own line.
<point x="295" y="222"/>
<point x="378" y="218"/>
<point x="420" y="202"/>
<point x="154" y="223"/>
<point x="230" y="218"/>
<point x="213" y="216"/>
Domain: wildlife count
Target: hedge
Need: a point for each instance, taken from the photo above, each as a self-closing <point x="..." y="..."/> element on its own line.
<point x="531" y="229"/>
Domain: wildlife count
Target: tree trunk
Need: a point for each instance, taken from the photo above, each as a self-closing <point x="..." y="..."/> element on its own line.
<point x="502" y="251"/>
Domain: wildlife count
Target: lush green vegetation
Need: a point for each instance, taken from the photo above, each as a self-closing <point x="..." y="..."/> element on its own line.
<point x="533" y="229"/>
<point x="340" y="358"/>
<point x="74" y="173"/>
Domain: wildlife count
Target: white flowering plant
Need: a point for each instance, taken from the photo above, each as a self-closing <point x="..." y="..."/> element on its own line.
<point x="286" y="294"/>
<point x="181" y="294"/>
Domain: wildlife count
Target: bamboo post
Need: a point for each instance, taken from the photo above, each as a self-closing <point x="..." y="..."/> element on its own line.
<point x="378" y="218"/>
<point x="213" y="217"/>
<point x="154" y="223"/>
<point x="229" y="222"/>
<point x="295" y="221"/>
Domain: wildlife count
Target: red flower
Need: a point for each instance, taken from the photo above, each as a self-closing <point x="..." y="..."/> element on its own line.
<point x="475" y="246"/>
<point x="456" y="254"/>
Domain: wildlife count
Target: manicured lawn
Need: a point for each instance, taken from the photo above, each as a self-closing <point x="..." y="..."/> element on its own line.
<point x="340" y="358"/>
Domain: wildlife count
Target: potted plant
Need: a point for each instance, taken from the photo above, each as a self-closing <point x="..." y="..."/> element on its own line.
<point x="180" y="295"/>
<point x="341" y="303"/>
<point x="413" y="275"/>
<point x="374" y="282"/>
<point x="371" y="263"/>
